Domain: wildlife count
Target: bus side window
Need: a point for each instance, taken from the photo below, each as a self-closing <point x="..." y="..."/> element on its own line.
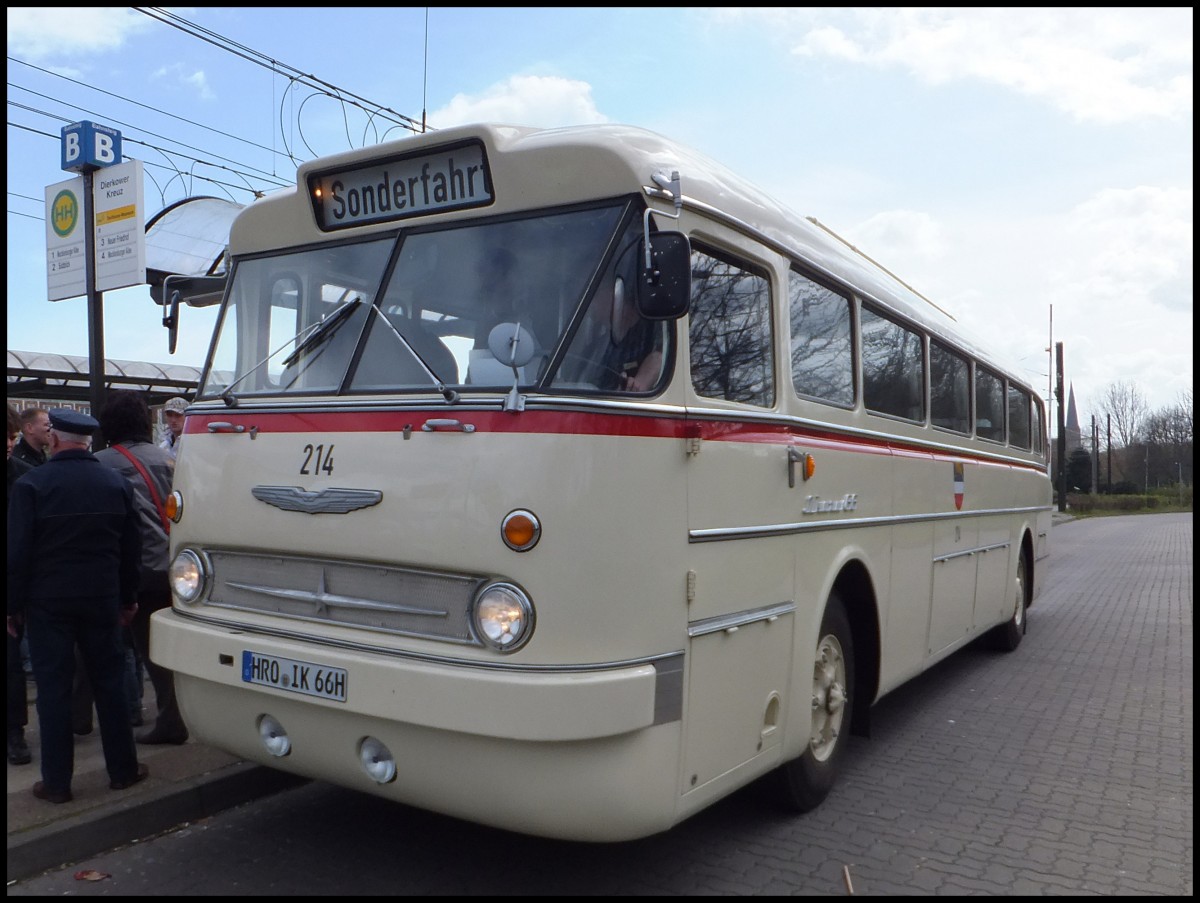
<point x="949" y="389"/>
<point x="1018" y="417"/>
<point x="893" y="368"/>
<point x="730" y="332"/>
<point x="822" y="341"/>
<point x="989" y="405"/>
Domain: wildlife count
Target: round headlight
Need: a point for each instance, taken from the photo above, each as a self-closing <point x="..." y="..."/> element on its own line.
<point x="187" y="576"/>
<point x="503" y="616"/>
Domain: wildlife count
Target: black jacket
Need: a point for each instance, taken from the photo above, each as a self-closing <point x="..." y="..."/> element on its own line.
<point x="25" y="452"/>
<point x="72" y="533"/>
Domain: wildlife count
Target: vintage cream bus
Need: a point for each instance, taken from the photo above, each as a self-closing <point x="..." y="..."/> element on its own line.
<point x="559" y="480"/>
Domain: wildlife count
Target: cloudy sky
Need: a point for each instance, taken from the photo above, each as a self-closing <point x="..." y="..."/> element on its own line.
<point x="1016" y="166"/>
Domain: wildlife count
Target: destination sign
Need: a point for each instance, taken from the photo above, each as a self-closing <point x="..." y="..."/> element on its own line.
<point x="450" y="178"/>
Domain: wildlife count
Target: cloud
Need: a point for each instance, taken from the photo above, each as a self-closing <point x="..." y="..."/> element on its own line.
<point x="907" y="234"/>
<point x="535" y="100"/>
<point x="197" y="81"/>
<point x="52" y="33"/>
<point x="1106" y="66"/>
<point x="1142" y="241"/>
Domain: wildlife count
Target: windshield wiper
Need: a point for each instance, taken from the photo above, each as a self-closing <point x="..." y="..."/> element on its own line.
<point x="450" y="395"/>
<point x="326" y="327"/>
<point x="317" y="332"/>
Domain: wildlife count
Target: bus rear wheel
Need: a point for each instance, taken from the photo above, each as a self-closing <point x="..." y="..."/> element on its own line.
<point x="806" y="781"/>
<point x="1007" y="637"/>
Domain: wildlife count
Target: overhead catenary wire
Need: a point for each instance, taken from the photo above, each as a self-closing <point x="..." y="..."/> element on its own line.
<point x="248" y="173"/>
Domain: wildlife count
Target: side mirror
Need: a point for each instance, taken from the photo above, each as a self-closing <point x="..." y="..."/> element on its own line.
<point x="664" y="286"/>
<point x="171" y="321"/>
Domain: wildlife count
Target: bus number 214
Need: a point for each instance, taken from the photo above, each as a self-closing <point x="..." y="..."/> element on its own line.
<point x="320" y="459"/>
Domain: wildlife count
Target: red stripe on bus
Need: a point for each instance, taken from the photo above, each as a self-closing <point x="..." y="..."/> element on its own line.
<point x="582" y="423"/>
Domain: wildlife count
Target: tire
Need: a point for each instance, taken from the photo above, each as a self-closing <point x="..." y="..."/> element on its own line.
<point x="1007" y="637"/>
<point x="805" y="781"/>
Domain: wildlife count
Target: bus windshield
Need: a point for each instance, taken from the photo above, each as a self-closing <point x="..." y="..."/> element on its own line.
<point x="343" y="319"/>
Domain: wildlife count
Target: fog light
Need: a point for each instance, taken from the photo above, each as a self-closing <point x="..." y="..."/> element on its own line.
<point x="376" y="760"/>
<point x="274" y="738"/>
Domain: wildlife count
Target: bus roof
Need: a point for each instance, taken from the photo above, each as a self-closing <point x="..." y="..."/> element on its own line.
<point x="577" y="163"/>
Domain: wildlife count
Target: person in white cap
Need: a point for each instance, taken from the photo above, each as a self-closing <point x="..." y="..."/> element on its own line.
<point x="173" y="417"/>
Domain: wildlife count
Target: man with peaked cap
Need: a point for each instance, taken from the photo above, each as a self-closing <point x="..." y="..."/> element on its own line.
<point x="173" y="410"/>
<point x="74" y="551"/>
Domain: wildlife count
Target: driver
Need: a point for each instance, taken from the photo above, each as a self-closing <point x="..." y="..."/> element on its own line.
<point x="632" y="357"/>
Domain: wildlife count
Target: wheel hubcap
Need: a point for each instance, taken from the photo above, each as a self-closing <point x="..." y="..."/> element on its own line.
<point x="829" y="697"/>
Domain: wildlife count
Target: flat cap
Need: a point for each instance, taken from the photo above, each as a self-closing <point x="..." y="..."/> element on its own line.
<point x="68" y="421"/>
<point x="176" y="404"/>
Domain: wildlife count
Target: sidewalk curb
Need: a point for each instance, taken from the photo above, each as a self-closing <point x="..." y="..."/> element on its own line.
<point x="89" y="833"/>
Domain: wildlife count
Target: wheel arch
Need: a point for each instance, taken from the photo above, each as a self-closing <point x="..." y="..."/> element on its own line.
<point x="857" y="593"/>
<point x="1027" y="552"/>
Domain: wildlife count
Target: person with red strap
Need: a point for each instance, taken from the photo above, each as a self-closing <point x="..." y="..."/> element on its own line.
<point x="150" y="469"/>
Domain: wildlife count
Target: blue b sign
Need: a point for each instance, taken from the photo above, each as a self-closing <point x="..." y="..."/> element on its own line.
<point x="87" y="147"/>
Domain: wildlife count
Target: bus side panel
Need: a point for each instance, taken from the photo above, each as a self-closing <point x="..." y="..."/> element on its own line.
<point x="910" y="620"/>
<point x="999" y="543"/>
<point x="738" y="678"/>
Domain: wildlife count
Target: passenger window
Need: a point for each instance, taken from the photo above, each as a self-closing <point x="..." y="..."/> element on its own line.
<point x="1038" y="441"/>
<point x="731" y="332"/>
<point x="989" y="405"/>
<point x="822" y="341"/>
<point x="893" y="368"/>
<point x="949" y="389"/>
<point x="1018" y="417"/>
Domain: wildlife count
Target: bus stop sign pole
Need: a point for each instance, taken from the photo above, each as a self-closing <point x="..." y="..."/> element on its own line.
<point x="87" y="147"/>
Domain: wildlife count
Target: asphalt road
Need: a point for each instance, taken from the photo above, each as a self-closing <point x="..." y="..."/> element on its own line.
<point x="1062" y="768"/>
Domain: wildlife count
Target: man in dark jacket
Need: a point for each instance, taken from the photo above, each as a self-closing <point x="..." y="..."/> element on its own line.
<point x="35" y="437"/>
<point x="74" y="551"/>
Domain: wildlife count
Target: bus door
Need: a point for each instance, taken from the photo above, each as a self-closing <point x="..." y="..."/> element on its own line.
<point x="741" y="576"/>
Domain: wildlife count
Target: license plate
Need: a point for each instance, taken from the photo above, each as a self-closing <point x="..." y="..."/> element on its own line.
<point x="297" y="677"/>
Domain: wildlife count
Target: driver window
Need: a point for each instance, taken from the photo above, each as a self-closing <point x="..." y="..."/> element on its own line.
<point x="615" y="348"/>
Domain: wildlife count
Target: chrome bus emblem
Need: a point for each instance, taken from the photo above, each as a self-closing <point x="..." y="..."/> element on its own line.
<point x="324" y="501"/>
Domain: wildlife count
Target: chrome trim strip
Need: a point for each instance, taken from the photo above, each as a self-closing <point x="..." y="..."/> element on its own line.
<point x="721" y="534"/>
<point x="236" y="628"/>
<point x="979" y="550"/>
<point x="323" y="601"/>
<point x="705" y="626"/>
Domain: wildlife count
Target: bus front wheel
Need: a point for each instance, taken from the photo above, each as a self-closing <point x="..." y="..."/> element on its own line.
<point x="807" y="780"/>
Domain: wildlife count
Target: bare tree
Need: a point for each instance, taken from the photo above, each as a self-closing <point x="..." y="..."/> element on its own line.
<point x="1125" y="404"/>
<point x="1168" y="433"/>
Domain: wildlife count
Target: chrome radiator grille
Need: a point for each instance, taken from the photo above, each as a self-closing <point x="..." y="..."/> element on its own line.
<point x="374" y="597"/>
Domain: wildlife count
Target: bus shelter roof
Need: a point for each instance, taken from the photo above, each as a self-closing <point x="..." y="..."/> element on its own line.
<point x="41" y="376"/>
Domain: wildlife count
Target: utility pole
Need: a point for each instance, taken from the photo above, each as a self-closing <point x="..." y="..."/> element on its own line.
<point x="1095" y="457"/>
<point x="1062" y="431"/>
<point x="1108" y="441"/>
